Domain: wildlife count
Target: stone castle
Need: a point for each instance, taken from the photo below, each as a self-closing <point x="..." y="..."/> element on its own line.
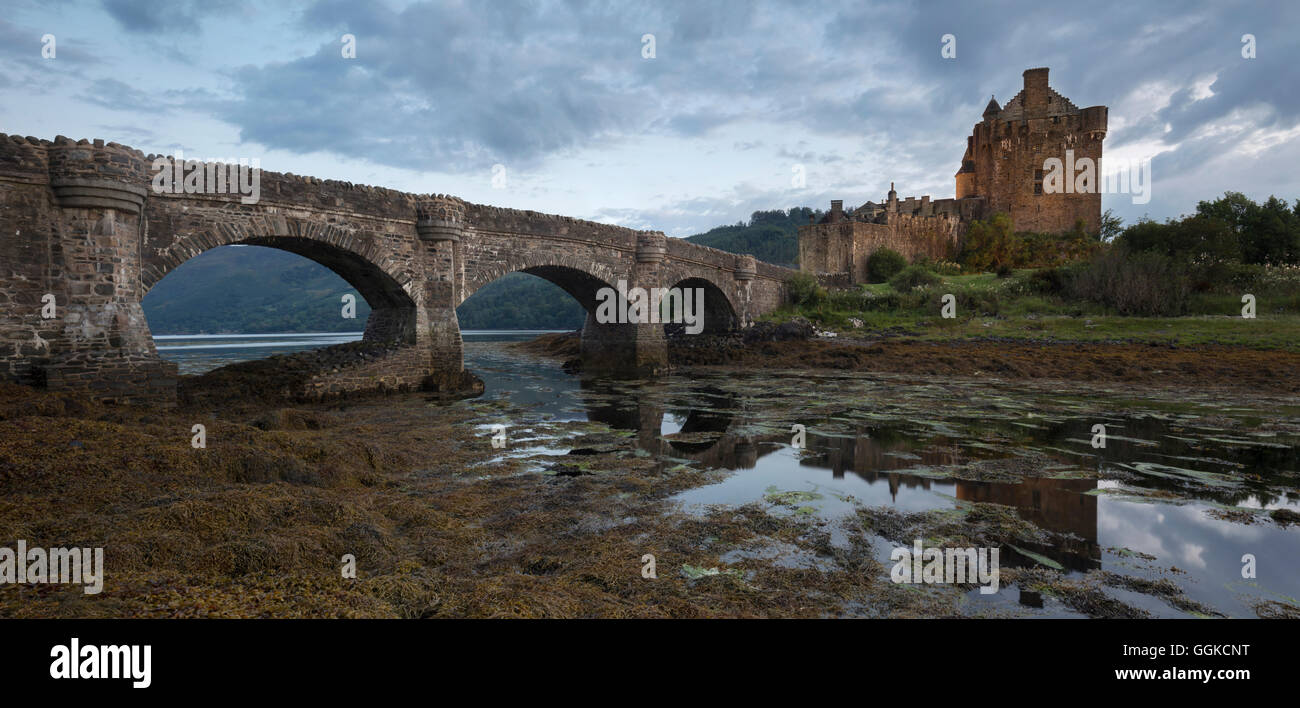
<point x="1002" y="171"/>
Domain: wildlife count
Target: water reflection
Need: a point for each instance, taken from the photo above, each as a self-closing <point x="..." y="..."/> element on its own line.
<point x="1063" y="506"/>
<point x="1184" y="471"/>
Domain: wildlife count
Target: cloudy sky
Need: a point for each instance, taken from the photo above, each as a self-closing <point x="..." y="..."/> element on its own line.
<point x="736" y="98"/>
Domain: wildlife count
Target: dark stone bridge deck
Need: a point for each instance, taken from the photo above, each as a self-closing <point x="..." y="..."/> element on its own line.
<point x="85" y="233"/>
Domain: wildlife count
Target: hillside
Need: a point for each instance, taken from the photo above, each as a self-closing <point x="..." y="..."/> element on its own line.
<point x="770" y="236"/>
<point x="251" y="289"/>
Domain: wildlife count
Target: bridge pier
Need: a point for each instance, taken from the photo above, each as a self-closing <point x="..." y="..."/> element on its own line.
<point x="88" y="325"/>
<point x="440" y="225"/>
<point x="636" y="349"/>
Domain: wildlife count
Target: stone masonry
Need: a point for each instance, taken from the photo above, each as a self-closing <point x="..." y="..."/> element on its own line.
<point x="85" y="233"/>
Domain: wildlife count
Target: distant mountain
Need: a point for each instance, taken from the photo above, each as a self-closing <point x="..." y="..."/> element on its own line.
<point x="251" y="289"/>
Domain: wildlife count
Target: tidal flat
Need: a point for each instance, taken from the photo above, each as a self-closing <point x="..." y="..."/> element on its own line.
<point x="697" y="479"/>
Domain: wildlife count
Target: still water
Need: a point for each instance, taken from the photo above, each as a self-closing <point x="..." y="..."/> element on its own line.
<point x="1180" y="491"/>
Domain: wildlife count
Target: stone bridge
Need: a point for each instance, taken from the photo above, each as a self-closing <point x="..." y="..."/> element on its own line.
<point x="87" y="228"/>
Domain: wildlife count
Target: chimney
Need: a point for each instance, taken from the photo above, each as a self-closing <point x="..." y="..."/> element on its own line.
<point x="837" y="210"/>
<point x="1036" y="89"/>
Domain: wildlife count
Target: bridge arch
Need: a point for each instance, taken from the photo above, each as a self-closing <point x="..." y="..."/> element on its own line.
<point x="580" y="278"/>
<point x="358" y="261"/>
<point x="719" y="314"/>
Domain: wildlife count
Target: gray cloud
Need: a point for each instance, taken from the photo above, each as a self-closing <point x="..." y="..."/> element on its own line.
<point x="457" y="87"/>
<point x="149" y="16"/>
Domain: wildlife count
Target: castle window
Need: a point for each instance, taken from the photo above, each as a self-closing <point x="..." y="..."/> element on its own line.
<point x="1038" y="182"/>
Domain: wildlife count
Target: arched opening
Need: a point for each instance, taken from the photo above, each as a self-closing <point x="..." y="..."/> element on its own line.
<point x="273" y="295"/>
<point x="547" y="298"/>
<point x="519" y="305"/>
<point x="702" y="309"/>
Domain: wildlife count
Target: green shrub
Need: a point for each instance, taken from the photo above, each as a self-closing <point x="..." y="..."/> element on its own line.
<point x="989" y="245"/>
<point x="913" y="277"/>
<point x="805" y="290"/>
<point x="884" y="264"/>
<point x="1144" y="284"/>
<point x="1227" y="277"/>
<point x="945" y="267"/>
<point x="1045" y="281"/>
<point x="848" y="300"/>
<point x="887" y="302"/>
<point x="981" y="302"/>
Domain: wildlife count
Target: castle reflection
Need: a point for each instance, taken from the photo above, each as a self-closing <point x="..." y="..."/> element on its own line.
<point x="715" y="429"/>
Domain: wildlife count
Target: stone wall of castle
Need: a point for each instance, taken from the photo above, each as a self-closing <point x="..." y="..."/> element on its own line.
<point x="838" y="252"/>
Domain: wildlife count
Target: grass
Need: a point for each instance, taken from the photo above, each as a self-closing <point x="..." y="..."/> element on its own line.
<point x="992" y="307"/>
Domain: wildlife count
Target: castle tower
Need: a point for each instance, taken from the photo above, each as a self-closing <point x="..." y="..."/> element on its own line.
<point x="1007" y="154"/>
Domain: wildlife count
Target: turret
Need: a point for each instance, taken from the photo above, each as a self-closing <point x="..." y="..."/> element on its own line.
<point x="992" y="110"/>
<point x="440" y="218"/>
<point x="651" y="246"/>
<point x="1094" y="122"/>
<point x="97" y="175"/>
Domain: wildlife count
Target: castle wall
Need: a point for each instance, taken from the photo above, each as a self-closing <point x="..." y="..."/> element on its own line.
<point x="826" y="250"/>
<point x="913" y="236"/>
<point x="838" y="253"/>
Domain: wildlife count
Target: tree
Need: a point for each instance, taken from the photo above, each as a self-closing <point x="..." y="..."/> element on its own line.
<point x="989" y="245"/>
<point x="1200" y="239"/>
<point x="1111" y="226"/>
<point x="1267" y="233"/>
<point x="884" y="264"/>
